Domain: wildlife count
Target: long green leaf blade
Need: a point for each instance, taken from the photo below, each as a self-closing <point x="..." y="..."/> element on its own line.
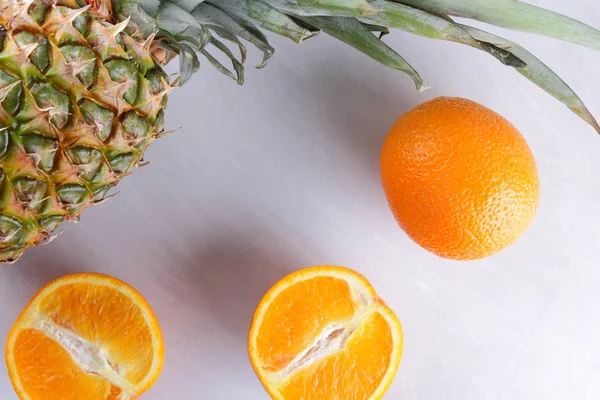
<point x="354" y="33"/>
<point x="188" y="64"/>
<point x="267" y="17"/>
<point x="237" y="65"/>
<point x="534" y="70"/>
<point x="339" y="8"/>
<point x="174" y="19"/>
<point x="187" y="5"/>
<point x="511" y="54"/>
<point x="419" y="22"/>
<point x="207" y="13"/>
<point x="516" y="15"/>
<point x="139" y="16"/>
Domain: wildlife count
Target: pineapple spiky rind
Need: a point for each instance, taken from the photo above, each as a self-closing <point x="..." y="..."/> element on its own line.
<point x="79" y="105"/>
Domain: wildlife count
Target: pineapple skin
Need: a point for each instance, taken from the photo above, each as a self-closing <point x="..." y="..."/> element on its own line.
<point x="81" y="98"/>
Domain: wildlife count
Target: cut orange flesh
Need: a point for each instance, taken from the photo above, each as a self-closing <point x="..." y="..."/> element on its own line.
<point x="323" y="334"/>
<point x="85" y="337"/>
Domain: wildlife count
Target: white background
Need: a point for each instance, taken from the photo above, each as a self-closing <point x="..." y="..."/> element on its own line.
<point x="283" y="173"/>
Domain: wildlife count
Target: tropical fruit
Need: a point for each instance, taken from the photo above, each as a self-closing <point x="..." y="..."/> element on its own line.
<point x="85" y="337"/>
<point x="460" y="179"/>
<point x="82" y="92"/>
<point x="323" y="333"/>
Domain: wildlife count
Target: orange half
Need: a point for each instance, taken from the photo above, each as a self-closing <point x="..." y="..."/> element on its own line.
<point x="323" y="333"/>
<point x="85" y="337"/>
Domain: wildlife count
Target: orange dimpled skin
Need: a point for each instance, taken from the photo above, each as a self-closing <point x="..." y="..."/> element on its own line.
<point x="460" y="179"/>
<point x="85" y="337"/>
<point x="323" y="333"/>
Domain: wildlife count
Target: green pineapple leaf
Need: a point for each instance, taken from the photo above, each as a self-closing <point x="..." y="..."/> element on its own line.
<point x="188" y="5"/>
<point x="188" y="59"/>
<point x="338" y="8"/>
<point x="383" y="30"/>
<point x="268" y="17"/>
<point x="356" y="22"/>
<point x="209" y="15"/>
<point x="238" y="67"/>
<point x="175" y="19"/>
<point x="225" y="34"/>
<point x="354" y="33"/>
<point x="516" y="15"/>
<point x="422" y="23"/>
<point x="534" y="70"/>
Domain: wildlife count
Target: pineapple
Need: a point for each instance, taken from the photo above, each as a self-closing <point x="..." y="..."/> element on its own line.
<point x="83" y="92"/>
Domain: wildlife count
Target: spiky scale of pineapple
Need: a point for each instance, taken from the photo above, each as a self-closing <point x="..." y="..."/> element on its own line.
<point x="80" y="101"/>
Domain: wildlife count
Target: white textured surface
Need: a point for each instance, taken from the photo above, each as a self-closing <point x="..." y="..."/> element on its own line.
<point x="283" y="174"/>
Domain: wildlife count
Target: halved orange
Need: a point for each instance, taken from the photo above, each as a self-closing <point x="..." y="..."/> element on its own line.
<point x="85" y="337"/>
<point x="322" y="333"/>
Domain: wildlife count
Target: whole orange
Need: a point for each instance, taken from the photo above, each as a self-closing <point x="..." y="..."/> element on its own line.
<point x="460" y="179"/>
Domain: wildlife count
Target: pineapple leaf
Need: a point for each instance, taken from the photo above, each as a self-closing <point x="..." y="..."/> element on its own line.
<point x="207" y="13"/>
<point x="174" y="19"/>
<point x="187" y="5"/>
<point x="237" y="65"/>
<point x="232" y="38"/>
<point x="124" y="8"/>
<point x="516" y="15"/>
<point x="184" y="26"/>
<point x="355" y="34"/>
<point x="186" y="48"/>
<point x="139" y="16"/>
<point x="339" y="8"/>
<point x="188" y="60"/>
<point x="511" y="54"/>
<point x="383" y="30"/>
<point x="197" y="38"/>
<point x="534" y="70"/>
<point x="267" y="17"/>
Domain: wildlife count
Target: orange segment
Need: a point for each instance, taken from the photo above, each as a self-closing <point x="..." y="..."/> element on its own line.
<point x="103" y="315"/>
<point x="365" y="360"/>
<point x="322" y="333"/>
<point x="288" y="313"/>
<point x="85" y="337"/>
<point x="44" y="366"/>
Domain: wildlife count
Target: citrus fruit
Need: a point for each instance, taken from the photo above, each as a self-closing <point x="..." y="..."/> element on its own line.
<point x="460" y="179"/>
<point x="323" y="333"/>
<point x="85" y="337"/>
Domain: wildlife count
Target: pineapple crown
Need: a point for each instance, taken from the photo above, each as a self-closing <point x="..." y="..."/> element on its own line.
<point x="196" y="28"/>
